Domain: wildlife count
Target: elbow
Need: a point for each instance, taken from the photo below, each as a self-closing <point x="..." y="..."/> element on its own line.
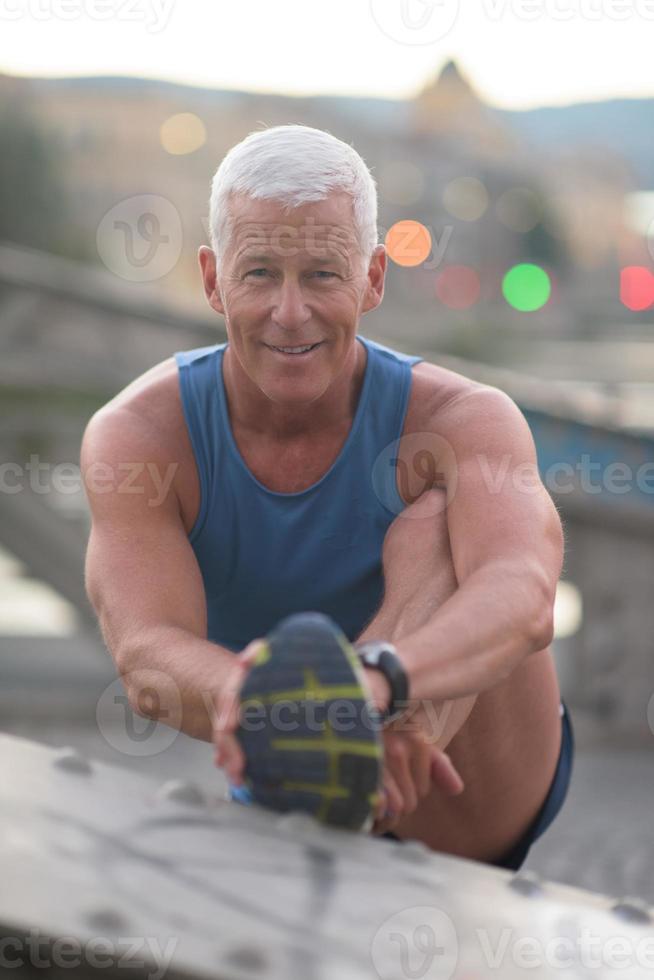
<point x="152" y="693"/>
<point x="142" y="686"/>
<point x="540" y="630"/>
<point x="543" y="636"/>
<point x="140" y="700"/>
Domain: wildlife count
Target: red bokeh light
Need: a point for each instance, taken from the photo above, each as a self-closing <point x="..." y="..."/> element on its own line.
<point x="458" y="286"/>
<point x="636" y="287"/>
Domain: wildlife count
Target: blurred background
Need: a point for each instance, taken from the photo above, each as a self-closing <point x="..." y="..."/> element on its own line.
<point x="519" y="135"/>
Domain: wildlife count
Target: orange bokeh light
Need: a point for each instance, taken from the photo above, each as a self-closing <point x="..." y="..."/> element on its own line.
<point x="408" y="243"/>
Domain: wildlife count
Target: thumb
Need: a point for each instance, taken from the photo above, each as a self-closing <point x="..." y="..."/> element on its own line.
<point x="251" y="651"/>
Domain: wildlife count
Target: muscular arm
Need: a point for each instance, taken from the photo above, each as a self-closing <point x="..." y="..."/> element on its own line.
<point x="142" y="577"/>
<point x="507" y="548"/>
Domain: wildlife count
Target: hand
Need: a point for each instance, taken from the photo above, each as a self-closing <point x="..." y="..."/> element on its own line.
<point x="413" y="766"/>
<point x="228" y="752"/>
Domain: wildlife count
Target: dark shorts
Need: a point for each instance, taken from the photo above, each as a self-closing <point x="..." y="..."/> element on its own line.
<point x="553" y="802"/>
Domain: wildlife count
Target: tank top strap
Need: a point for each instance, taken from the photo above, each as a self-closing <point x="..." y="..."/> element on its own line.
<point x="199" y="381"/>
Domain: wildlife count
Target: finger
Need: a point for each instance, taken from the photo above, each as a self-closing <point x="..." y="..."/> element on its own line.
<point x="251" y="651"/>
<point x="398" y="765"/>
<point x="383" y="826"/>
<point x="444" y="775"/>
<point x="420" y="757"/>
<point x="232" y="759"/>
<point x="381" y="805"/>
<point x="227" y="703"/>
<point x="393" y="796"/>
<point x="388" y="822"/>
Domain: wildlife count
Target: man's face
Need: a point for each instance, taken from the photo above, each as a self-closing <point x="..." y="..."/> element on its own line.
<point x="288" y="281"/>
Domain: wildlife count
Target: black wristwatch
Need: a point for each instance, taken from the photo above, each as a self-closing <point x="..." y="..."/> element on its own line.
<point x="383" y="656"/>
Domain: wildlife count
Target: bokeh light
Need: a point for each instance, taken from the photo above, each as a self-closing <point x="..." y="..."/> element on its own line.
<point x="401" y="182"/>
<point x="526" y="287"/>
<point x="568" y="610"/>
<point x="183" y="133"/>
<point x="465" y="198"/>
<point x="408" y="243"/>
<point x="519" y="209"/>
<point x="458" y="286"/>
<point x="636" y="287"/>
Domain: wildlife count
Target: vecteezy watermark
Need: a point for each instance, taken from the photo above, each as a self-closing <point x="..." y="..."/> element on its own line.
<point x="567" y="10"/>
<point x="141" y="714"/>
<point x="42" y="477"/>
<point x="154" y="14"/>
<point x="153" y="726"/>
<point x="144" y="954"/>
<point x="336" y="242"/>
<point x="140" y="238"/>
<point x="411" y="466"/>
<point x="421" y="943"/>
<point x="508" y="949"/>
<point x="415" y="22"/>
<point x="338" y="715"/>
<point x="418" y="943"/>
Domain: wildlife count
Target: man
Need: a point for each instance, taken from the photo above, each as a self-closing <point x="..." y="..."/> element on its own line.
<point x="281" y="443"/>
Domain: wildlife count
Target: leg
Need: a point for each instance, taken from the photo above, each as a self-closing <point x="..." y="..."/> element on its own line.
<point x="419" y="577"/>
<point x="507" y="745"/>
<point x="418" y="571"/>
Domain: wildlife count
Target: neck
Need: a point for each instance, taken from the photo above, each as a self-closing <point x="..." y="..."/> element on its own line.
<point x="252" y="411"/>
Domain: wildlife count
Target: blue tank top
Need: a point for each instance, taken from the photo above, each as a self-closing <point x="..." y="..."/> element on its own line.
<point x="265" y="554"/>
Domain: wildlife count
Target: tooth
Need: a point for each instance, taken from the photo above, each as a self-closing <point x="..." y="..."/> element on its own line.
<point x="295" y="350"/>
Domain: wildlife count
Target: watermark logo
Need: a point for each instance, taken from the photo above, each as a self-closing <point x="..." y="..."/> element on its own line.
<point x="143" y="955"/>
<point x="411" y="466"/>
<point x="149" y="731"/>
<point x="419" y="943"/>
<point x="415" y="22"/>
<point x="142" y="477"/>
<point x="154" y="14"/>
<point x="563" y="11"/>
<point x="140" y="238"/>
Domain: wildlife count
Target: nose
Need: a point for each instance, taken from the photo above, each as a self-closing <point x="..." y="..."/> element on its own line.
<point x="289" y="309"/>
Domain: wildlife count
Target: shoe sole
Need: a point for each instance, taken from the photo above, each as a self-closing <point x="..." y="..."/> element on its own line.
<point x="310" y="739"/>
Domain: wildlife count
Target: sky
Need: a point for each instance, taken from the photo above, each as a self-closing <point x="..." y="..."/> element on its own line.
<point x="516" y="53"/>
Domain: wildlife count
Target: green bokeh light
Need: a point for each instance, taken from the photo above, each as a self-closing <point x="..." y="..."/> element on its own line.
<point x="526" y="287"/>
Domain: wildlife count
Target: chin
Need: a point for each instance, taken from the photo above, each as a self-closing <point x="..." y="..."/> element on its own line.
<point x="298" y="390"/>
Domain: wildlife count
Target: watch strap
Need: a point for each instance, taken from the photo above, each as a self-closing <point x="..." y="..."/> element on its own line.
<point x="382" y="656"/>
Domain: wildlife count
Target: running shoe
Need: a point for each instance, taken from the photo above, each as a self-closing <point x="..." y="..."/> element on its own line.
<point x="311" y="738"/>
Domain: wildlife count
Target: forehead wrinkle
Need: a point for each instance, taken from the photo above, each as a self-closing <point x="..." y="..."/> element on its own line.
<point x="263" y="231"/>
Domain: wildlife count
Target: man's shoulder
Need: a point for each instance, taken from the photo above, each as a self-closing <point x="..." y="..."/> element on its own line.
<point x="434" y="389"/>
<point x="148" y="407"/>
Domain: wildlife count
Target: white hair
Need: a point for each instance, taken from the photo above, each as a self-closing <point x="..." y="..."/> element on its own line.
<point x="294" y="165"/>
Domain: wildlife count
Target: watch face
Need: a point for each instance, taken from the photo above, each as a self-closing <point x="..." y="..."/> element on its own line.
<point x="372" y="652"/>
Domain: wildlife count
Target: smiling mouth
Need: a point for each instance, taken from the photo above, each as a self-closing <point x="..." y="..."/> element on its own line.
<point x="304" y="349"/>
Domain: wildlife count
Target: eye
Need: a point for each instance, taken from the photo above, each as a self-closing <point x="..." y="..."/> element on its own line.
<point x="252" y="271"/>
<point x="324" y="272"/>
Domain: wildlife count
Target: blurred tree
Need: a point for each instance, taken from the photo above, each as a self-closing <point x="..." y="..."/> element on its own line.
<point x="33" y="196"/>
<point x="544" y="247"/>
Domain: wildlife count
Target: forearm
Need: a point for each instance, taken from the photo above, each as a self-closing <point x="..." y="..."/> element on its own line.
<point x="495" y="619"/>
<point x="171" y="676"/>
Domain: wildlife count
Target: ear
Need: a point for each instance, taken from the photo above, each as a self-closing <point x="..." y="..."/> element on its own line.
<point x="207" y="260"/>
<point x="376" y="275"/>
